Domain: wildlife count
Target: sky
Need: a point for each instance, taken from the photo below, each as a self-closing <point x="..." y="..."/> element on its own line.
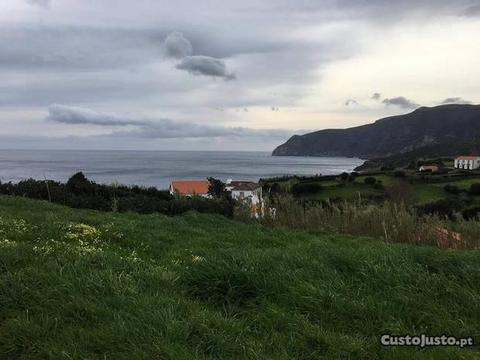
<point x="224" y="75"/>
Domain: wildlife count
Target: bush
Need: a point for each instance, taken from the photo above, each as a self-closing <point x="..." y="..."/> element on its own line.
<point x="216" y="187"/>
<point x="272" y="188"/>
<point x="306" y="188"/>
<point x="451" y="189"/>
<point x="443" y="208"/>
<point x="474" y="189"/>
<point x="79" y="184"/>
<point x="471" y="213"/>
<point x="399" y="174"/>
<point x="370" y="180"/>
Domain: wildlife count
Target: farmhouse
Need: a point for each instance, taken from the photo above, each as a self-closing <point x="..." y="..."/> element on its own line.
<point x="467" y="162"/>
<point x="428" y="168"/>
<point x="189" y="188"/>
<point x="248" y="191"/>
<point x="245" y="190"/>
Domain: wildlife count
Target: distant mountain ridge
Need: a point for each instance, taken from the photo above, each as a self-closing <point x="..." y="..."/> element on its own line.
<point x="428" y="131"/>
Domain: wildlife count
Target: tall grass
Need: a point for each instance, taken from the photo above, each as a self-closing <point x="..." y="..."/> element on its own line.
<point x="82" y="284"/>
<point x="389" y="221"/>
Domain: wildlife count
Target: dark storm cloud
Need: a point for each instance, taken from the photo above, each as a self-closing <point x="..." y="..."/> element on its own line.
<point x="155" y="129"/>
<point x="455" y="100"/>
<point x="177" y="46"/>
<point x="205" y="65"/>
<point x="400" y="101"/>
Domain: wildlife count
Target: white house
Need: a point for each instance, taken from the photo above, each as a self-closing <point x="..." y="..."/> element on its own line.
<point x="249" y="191"/>
<point x="467" y="162"/>
<point x="245" y="190"/>
<point x="430" y="168"/>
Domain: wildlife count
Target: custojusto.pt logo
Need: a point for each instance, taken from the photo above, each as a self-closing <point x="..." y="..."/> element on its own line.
<point x="423" y="340"/>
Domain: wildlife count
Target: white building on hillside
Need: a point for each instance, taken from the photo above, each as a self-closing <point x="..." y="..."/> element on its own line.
<point x="245" y="190"/>
<point x="467" y="162"/>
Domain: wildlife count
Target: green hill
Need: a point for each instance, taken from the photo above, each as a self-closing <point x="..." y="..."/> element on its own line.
<point x="78" y="284"/>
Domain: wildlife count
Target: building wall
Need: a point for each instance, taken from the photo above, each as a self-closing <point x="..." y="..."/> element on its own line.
<point x="467" y="164"/>
<point x="255" y="196"/>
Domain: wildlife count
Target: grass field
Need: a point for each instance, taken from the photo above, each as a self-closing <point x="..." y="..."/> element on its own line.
<point x="423" y="191"/>
<point x="78" y="284"/>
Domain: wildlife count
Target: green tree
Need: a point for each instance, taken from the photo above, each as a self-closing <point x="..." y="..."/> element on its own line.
<point x="216" y="187"/>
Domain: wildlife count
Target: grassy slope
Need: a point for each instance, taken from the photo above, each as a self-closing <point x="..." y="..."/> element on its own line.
<point x="78" y="284"/>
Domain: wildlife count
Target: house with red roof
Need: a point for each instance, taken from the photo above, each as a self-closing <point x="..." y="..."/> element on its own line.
<point x="189" y="188"/>
<point x="467" y="162"/>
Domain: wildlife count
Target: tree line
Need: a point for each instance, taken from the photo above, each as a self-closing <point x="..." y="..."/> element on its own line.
<point x="80" y="192"/>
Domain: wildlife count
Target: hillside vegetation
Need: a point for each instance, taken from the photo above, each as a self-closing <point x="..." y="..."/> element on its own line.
<point x="445" y="193"/>
<point x="82" y="284"/>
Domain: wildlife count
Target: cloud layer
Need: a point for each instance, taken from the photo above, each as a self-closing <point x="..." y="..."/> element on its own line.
<point x="125" y="57"/>
<point x="156" y="129"/>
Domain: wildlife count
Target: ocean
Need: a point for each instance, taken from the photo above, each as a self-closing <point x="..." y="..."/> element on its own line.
<point x="158" y="168"/>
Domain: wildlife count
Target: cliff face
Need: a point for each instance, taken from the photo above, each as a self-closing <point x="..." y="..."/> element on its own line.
<point x="445" y="129"/>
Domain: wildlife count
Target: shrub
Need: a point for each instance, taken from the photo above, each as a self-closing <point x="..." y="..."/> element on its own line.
<point x="344" y="176"/>
<point x="451" y="189"/>
<point x="388" y="220"/>
<point x="471" y="213"/>
<point x="474" y="189"/>
<point x="370" y="180"/>
<point x="79" y="184"/>
<point x="399" y="174"/>
<point x="443" y="208"/>
<point x="306" y="188"/>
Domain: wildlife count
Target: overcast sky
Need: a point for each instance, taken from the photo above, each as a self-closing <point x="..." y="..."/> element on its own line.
<point x="224" y="75"/>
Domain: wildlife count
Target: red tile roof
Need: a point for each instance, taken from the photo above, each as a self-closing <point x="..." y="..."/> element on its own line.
<point x="190" y="187"/>
<point x="463" y="157"/>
